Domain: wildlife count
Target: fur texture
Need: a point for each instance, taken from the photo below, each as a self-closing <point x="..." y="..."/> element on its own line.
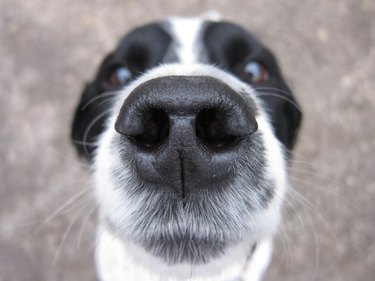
<point x="223" y="230"/>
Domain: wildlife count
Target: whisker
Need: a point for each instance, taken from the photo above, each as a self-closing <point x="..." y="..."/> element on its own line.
<point x="261" y="93"/>
<point x="77" y="162"/>
<point x="24" y="225"/>
<point x="105" y="101"/>
<point x="75" y="198"/>
<point x="281" y="236"/>
<point x="306" y="172"/>
<point x="310" y="207"/>
<point x="83" y="226"/>
<point x="67" y="231"/>
<point x="299" y="159"/>
<point x="286" y="245"/>
<point x="263" y="88"/>
<point x="86" y="143"/>
<point x="273" y="89"/>
<point x="294" y="208"/>
<point x="93" y="122"/>
<point x="93" y="245"/>
<point x="326" y="191"/>
<point x="316" y="246"/>
<point x="103" y="95"/>
<point x="304" y="201"/>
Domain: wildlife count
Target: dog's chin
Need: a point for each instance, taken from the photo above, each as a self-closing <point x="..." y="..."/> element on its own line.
<point x="185" y="247"/>
<point x="195" y="230"/>
<point x="176" y="243"/>
<point x="178" y="231"/>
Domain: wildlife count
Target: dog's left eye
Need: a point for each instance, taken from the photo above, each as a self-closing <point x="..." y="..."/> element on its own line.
<point x="256" y="72"/>
<point x="119" y="76"/>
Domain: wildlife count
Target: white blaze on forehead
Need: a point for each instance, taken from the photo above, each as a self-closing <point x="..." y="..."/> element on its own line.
<point x="186" y="32"/>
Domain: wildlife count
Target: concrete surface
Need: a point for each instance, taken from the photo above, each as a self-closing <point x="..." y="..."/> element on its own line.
<point x="49" y="48"/>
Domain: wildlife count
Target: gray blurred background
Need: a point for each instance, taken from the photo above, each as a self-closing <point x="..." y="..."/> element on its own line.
<point x="49" y="48"/>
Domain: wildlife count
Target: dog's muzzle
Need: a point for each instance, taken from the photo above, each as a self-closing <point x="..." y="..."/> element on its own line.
<point x="187" y="130"/>
<point x="186" y="139"/>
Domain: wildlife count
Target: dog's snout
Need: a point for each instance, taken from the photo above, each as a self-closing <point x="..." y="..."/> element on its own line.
<point x="187" y="130"/>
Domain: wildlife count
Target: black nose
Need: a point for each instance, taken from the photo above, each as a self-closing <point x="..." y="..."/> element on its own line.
<point x="187" y="131"/>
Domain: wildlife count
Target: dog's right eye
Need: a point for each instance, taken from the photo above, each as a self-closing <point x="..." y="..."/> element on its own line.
<point x="256" y="72"/>
<point x="119" y="76"/>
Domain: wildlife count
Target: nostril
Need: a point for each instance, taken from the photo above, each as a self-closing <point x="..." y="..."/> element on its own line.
<point x="155" y="129"/>
<point x="211" y="129"/>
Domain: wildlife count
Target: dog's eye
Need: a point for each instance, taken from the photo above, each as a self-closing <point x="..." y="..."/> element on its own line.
<point x="119" y="76"/>
<point x="255" y="72"/>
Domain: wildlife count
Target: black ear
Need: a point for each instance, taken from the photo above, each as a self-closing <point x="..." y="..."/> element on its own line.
<point x="89" y="119"/>
<point x="285" y="114"/>
<point x="281" y="105"/>
<point x="293" y="118"/>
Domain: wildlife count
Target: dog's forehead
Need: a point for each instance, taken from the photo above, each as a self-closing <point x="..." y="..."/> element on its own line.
<point x="199" y="40"/>
<point x="188" y="41"/>
<point x="186" y="34"/>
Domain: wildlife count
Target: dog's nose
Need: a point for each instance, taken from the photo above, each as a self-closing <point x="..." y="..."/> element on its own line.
<point x="187" y="131"/>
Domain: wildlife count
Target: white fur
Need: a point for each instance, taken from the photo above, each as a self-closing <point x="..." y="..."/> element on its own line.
<point x="186" y="32"/>
<point x="118" y="259"/>
<point x="257" y="265"/>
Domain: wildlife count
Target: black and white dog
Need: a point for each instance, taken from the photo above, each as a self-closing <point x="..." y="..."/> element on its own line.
<point x="187" y="126"/>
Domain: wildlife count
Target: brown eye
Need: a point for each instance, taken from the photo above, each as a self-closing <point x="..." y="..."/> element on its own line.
<point x="256" y="72"/>
<point x="119" y="76"/>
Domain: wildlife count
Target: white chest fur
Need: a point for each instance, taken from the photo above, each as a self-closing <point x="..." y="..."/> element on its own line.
<point x="117" y="260"/>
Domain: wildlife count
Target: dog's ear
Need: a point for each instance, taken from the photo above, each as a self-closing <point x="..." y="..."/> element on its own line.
<point x="93" y="109"/>
<point x="281" y="105"/>
<point x="285" y="115"/>
<point x="290" y="129"/>
<point x="88" y="120"/>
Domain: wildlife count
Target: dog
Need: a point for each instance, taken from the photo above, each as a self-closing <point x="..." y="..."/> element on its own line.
<point x="188" y="127"/>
